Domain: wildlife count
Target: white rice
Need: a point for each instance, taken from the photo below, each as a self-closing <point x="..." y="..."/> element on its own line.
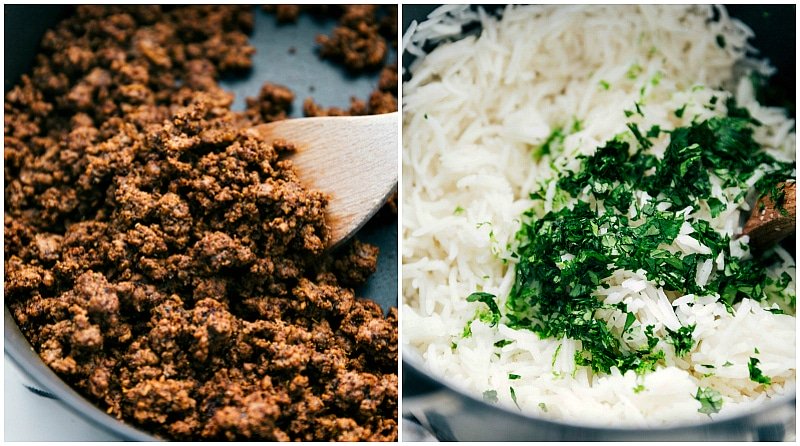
<point x="473" y="110"/>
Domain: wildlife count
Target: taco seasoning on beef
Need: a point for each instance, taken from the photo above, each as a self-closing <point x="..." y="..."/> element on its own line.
<point x="168" y="265"/>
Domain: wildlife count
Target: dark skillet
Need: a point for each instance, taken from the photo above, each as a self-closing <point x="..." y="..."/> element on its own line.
<point x="452" y="415"/>
<point x="299" y="69"/>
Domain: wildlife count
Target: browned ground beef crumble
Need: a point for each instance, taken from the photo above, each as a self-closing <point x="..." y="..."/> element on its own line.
<point x="169" y="265"/>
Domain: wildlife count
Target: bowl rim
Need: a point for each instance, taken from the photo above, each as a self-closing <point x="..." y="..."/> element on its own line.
<point x="412" y="358"/>
<point x="23" y="355"/>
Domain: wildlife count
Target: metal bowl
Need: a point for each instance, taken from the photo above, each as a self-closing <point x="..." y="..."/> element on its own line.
<point x="451" y="413"/>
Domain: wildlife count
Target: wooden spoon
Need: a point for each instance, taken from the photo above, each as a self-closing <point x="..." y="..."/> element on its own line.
<point x="767" y="225"/>
<point x="351" y="158"/>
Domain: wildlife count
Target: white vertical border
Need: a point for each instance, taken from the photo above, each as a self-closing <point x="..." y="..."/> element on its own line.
<point x="399" y="199"/>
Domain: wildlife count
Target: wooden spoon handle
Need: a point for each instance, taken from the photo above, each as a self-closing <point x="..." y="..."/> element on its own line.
<point x="767" y="225"/>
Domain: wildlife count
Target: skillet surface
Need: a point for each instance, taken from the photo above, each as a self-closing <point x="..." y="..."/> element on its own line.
<point x="285" y="54"/>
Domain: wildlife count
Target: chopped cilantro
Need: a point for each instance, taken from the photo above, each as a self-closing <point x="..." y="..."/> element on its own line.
<point x="634" y="71"/>
<point x="554" y="140"/>
<point x="679" y="112"/>
<point x="502" y="343"/>
<point x="458" y="210"/>
<point x="716" y="206"/>
<point x="639" y="388"/>
<point x="777" y="194"/>
<point x="467" y="332"/>
<point x="656" y="79"/>
<point x="513" y="376"/>
<point x="681" y="339"/>
<point x="710" y="400"/>
<point x="555" y="295"/>
<point x="554" y="143"/>
<point x="604" y="85"/>
<point x="514" y="397"/>
<point x="727" y="364"/>
<point x="652" y="341"/>
<point x="488" y="299"/>
<point x="543" y="406"/>
<point x="643" y="142"/>
<point x="555" y="356"/>
<point x="644" y="362"/>
<point x="487" y="317"/>
<point x="783" y="281"/>
<point x="630" y="318"/>
<point x="756" y="374"/>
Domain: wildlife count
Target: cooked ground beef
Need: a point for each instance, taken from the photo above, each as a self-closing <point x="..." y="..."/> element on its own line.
<point x="273" y="103"/>
<point x="169" y="265"/>
<point x="284" y="13"/>
<point x="356" y="42"/>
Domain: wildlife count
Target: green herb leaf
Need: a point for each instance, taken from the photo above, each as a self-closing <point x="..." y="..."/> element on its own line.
<point x="756" y="374"/>
<point x="654" y="131"/>
<point x="715" y="206"/>
<point x="566" y="255"/>
<point x="643" y="142"/>
<point x="514" y="397"/>
<point x="710" y="400"/>
<point x="634" y="71"/>
<point x="488" y="299"/>
<point x="681" y="339"/>
<point x="629" y="320"/>
<point x="467" y="332"/>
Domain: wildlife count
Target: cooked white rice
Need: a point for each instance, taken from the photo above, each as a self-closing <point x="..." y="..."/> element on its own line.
<point x="473" y="110"/>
